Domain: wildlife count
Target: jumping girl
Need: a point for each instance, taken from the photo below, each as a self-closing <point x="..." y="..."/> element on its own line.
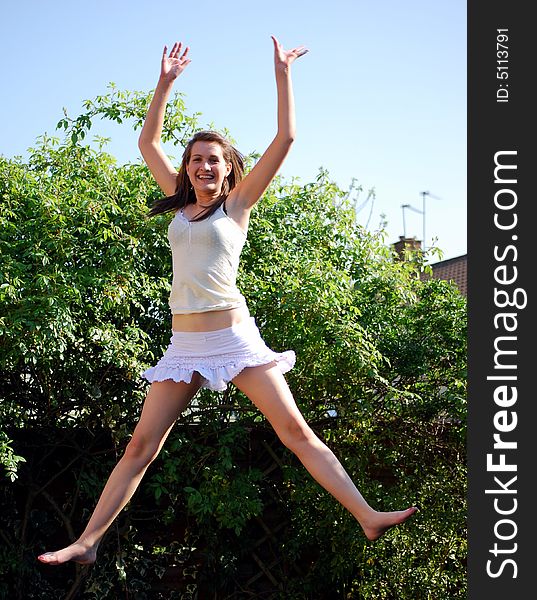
<point x="214" y="338"/>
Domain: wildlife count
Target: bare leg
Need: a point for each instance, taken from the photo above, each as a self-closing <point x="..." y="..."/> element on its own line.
<point x="267" y="389"/>
<point x="165" y="401"/>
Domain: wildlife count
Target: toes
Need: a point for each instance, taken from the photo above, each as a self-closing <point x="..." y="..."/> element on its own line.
<point x="410" y="511"/>
<point x="47" y="557"/>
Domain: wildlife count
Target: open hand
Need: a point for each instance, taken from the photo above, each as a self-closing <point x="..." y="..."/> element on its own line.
<point x="284" y="58"/>
<point x="174" y="64"/>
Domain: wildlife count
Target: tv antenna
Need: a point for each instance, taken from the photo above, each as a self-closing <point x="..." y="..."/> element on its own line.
<point x="424" y="196"/>
<point x="403" y="206"/>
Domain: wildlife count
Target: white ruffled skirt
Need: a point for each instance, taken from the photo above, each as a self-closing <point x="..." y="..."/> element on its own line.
<point x="218" y="356"/>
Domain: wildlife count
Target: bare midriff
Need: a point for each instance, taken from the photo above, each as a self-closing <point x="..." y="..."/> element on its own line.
<point x="211" y="320"/>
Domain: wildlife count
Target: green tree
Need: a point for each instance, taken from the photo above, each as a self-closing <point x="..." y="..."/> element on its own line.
<point x="380" y="375"/>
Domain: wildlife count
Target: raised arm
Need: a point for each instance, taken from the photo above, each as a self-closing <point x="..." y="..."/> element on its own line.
<point x="149" y="142"/>
<point x="251" y="188"/>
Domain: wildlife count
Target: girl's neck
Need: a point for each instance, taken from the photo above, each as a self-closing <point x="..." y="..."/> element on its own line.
<point x="206" y="200"/>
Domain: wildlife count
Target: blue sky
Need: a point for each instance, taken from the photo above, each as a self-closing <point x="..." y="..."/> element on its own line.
<point x="380" y="97"/>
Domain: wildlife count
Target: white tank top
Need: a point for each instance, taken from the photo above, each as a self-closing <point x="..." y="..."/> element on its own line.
<point x="205" y="256"/>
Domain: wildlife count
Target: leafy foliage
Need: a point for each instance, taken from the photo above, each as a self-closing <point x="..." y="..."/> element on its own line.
<point x="380" y="376"/>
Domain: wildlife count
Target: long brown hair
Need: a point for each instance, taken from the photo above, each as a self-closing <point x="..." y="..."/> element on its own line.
<point x="184" y="192"/>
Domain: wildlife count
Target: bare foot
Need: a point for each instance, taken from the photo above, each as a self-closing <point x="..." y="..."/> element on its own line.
<point x="76" y="552"/>
<point x="382" y="521"/>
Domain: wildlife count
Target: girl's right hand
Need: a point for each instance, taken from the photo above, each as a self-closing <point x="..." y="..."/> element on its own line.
<point x="174" y="64"/>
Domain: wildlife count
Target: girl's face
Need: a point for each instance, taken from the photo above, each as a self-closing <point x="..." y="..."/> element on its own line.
<point x="207" y="167"/>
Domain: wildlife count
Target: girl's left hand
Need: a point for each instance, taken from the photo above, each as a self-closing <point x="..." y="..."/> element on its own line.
<point x="284" y="58"/>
